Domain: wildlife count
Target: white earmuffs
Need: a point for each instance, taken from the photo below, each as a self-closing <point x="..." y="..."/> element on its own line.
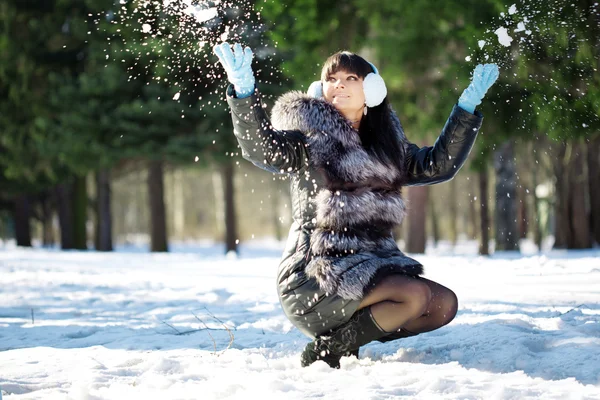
<point x="373" y="86"/>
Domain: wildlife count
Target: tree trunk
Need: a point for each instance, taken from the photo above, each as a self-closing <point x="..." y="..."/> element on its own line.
<point x="472" y="218"/>
<point x="103" y="211"/>
<point x="158" y="220"/>
<point x="65" y="215"/>
<point x="417" y="201"/>
<point x="536" y="207"/>
<point x="561" y="209"/>
<point x="578" y="215"/>
<point x="47" y="231"/>
<point x="523" y="220"/>
<point x="22" y="216"/>
<point x="80" y="204"/>
<point x="485" y="216"/>
<point x="453" y="209"/>
<point x="217" y="180"/>
<point x="594" y="189"/>
<point x="275" y="197"/>
<point x="506" y="211"/>
<point x="231" y="236"/>
<point x="178" y="204"/>
<point x="435" y="227"/>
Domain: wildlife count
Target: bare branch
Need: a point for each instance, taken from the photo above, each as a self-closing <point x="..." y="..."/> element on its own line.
<point x="231" y="335"/>
<point x="211" y="337"/>
<point x="206" y="328"/>
<point x="213" y="316"/>
<point x="172" y="327"/>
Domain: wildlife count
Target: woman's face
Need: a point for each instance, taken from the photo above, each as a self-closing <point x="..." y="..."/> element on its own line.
<point x="345" y="91"/>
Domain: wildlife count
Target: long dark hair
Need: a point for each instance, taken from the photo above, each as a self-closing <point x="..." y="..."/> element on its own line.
<point x="376" y="130"/>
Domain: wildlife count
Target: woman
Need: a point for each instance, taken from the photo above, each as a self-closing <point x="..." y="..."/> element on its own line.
<point x="342" y="279"/>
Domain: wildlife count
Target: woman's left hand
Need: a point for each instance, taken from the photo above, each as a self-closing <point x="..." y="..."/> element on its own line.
<point x="484" y="77"/>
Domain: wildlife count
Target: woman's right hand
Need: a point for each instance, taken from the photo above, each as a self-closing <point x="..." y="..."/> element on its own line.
<point x="238" y="66"/>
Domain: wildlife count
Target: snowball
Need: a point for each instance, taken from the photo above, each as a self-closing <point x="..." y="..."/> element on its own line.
<point x="503" y="36"/>
<point x="481" y="43"/>
<point x="513" y="9"/>
<point x="146" y="28"/>
<point x="176" y="97"/>
<point x="468" y="58"/>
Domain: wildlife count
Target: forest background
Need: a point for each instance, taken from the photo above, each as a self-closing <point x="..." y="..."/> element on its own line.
<point x="114" y="129"/>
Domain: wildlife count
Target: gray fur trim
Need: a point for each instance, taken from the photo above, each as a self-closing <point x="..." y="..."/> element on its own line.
<point x="349" y="276"/>
<point x="331" y="137"/>
<point x="341" y="209"/>
<point x="337" y="242"/>
<point x="352" y="163"/>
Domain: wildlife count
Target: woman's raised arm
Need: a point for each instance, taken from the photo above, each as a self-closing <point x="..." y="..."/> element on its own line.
<point x="270" y="149"/>
<point x="441" y="162"/>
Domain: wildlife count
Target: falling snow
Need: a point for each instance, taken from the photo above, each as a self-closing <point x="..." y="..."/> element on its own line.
<point x="185" y="45"/>
<point x="201" y="15"/>
<point x="503" y="37"/>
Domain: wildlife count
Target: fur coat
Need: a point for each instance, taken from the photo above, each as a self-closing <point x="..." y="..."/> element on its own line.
<point x="359" y="205"/>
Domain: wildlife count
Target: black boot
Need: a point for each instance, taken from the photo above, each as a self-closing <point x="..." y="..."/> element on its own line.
<point x="400" y="334"/>
<point x="351" y="353"/>
<point x="360" y="330"/>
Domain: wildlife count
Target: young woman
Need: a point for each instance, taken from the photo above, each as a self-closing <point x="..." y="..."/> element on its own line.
<point x="342" y="279"/>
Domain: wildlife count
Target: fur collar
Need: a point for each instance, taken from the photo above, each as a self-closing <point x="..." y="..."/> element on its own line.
<point x="334" y="146"/>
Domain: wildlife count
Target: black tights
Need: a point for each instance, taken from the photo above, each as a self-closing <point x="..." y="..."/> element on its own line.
<point x="406" y="306"/>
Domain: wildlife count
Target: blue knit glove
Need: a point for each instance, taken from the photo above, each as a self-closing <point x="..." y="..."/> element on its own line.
<point x="484" y="77"/>
<point x="238" y="65"/>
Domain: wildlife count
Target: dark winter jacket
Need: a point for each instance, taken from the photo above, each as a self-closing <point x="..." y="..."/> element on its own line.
<point x="344" y="201"/>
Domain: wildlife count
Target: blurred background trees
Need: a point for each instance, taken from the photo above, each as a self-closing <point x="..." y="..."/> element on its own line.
<point x="113" y="127"/>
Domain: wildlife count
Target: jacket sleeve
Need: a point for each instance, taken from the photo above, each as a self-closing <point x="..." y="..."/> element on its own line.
<point x="270" y="149"/>
<point x="440" y="162"/>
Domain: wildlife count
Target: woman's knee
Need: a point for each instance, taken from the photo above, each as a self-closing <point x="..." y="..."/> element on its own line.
<point x="452" y="306"/>
<point x="413" y="291"/>
<point x="422" y="296"/>
<point x="445" y="305"/>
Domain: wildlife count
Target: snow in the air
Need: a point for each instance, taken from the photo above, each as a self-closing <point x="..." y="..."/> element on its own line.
<point x="200" y="13"/>
<point x="503" y="37"/>
<point x="520" y="27"/>
<point x="193" y="324"/>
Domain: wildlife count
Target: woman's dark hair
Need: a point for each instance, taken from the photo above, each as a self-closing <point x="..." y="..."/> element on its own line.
<point x="376" y="131"/>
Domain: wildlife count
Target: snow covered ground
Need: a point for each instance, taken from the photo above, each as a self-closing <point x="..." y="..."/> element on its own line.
<point x="132" y="325"/>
